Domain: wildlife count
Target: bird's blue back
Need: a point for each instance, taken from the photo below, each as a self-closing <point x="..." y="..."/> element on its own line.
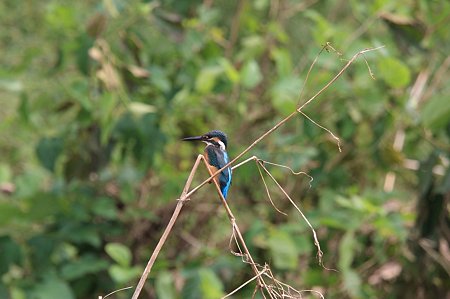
<point x="218" y="158"/>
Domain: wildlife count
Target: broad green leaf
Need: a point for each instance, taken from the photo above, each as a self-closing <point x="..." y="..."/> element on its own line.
<point x="79" y="90"/>
<point x="61" y="17"/>
<point x="86" y="234"/>
<point x="108" y="102"/>
<point x="191" y="288"/>
<point x="210" y="285"/>
<point x="206" y="79"/>
<point x="394" y="72"/>
<point x="17" y="293"/>
<point x="260" y="4"/>
<point x="165" y="286"/>
<point x="279" y="32"/>
<point x="24" y="108"/>
<point x="285" y="94"/>
<point x="283" y="250"/>
<point x="253" y="47"/>
<point x="119" y="253"/>
<point x="83" y="266"/>
<point x="29" y="182"/>
<point x="140" y="108"/>
<point x="48" y="151"/>
<point x="11" y="253"/>
<point x="202" y="283"/>
<point x="323" y="30"/>
<point x="347" y="249"/>
<point x="251" y="74"/>
<point x="52" y="287"/>
<point x="230" y="70"/>
<point x="5" y="173"/>
<point x="105" y="207"/>
<point x="436" y="112"/>
<point x="42" y="248"/>
<point x="283" y="61"/>
<point x="11" y="85"/>
<point x="124" y="274"/>
<point x="159" y="79"/>
<point x="352" y="283"/>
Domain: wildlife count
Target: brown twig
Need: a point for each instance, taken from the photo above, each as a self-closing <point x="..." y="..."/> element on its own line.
<point x="185" y="195"/>
<point x="116" y="291"/>
<point x="244" y="284"/>
<point x="267" y="189"/>
<point x="316" y="240"/>
<point x="237" y="231"/>
<point x="287" y="118"/>
<point x="167" y="231"/>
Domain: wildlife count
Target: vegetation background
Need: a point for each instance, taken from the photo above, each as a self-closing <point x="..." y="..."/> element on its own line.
<point x="95" y="96"/>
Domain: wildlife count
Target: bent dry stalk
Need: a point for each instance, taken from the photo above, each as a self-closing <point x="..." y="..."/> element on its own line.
<point x="185" y="195"/>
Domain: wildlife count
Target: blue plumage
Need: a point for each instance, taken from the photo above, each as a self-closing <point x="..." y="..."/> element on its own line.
<point x="217" y="157"/>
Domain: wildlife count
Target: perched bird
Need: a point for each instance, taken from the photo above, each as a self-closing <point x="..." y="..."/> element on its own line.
<point x="217" y="157"/>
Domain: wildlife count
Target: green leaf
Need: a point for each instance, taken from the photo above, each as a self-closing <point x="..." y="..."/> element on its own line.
<point x="11" y="85"/>
<point x="5" y="173"/>
<point x="206" y="79"/>
<point x="61" y="17"/>
<point x="11" y="253"/>
<point x="283" y="62"/>
<point x="159" y="79"/>
<point x="105" y="207"/>
<point x="346" y="250"/>
<point x="352" y="283"/>
<point x="17" y="293"/>
<point x="210" y="285"/>
<point x="285" y="94"/>
<point x="252" y="47"/>
<point x="48" y="151"/>
<point x="261" y="4"/>
<point x="140" y="108"/>
<point x="124" y="274"/>
<point x="230" y="70"/>
<point x="9" y="213"/>
<point x="52" y="287"/>
<point x="394" y="72"/>
<point x="85" y="234"/>
<point x="79" y="90"/>
<point x="323" y="30"/>
<point x="251" y="74"/>
<point x="202" y="283"/>
<point x="108" y="104"/>
<point x="283" y="250"/>
<point x="278" y="31"/>
<point x="119" y="253"/>
<point x="436" y="112"/>
<point x="24" y="108"/>
<point x="165" y="286"/>
<point x="85" y="265"/>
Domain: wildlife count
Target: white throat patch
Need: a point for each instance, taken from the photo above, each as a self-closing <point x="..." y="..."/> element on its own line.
<point x="222" y="145"/>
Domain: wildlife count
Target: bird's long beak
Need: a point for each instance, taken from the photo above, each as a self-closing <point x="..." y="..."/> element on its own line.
<point x="195" y="138"/>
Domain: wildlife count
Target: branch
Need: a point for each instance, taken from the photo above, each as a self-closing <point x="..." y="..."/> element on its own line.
<point x="287" y="118"/>
<point x="183" y="198"/>
<point x="185" y="194"/>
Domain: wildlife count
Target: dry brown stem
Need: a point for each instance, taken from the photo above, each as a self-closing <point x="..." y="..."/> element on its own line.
<point x="276" y="290"/>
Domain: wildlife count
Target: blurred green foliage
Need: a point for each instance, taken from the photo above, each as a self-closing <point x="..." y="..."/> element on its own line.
<point x="95" y="96"/>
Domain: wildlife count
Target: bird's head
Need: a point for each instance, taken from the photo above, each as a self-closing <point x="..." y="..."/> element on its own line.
<point x="215" y="137"/>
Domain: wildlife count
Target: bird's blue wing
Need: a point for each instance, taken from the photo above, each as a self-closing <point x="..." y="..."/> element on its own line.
<point x="225" y="176"/>
<point x="218" y="159"/>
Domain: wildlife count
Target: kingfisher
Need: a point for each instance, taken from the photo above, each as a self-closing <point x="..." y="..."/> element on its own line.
<point x="216" y="156"/>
